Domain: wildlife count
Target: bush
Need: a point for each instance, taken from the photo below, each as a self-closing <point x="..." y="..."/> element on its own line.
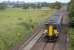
<point x="2" y="6"/>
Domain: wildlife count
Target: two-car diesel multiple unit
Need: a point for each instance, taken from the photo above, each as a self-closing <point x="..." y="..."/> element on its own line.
<point x="53" y="27"/>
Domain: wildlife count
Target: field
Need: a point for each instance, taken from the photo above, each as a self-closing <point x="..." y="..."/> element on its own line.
<point x="17" y="24"/>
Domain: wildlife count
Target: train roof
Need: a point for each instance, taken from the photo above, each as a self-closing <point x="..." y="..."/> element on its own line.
<point x="55" y="19"/>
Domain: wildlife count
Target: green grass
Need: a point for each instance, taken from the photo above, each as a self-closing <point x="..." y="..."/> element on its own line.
<point x="16" y="25"/>
<point x="71" y="43"/>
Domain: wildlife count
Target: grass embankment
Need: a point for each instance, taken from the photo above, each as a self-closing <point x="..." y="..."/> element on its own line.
<point x="15" y="24"/>
<point x="71" y="42"/>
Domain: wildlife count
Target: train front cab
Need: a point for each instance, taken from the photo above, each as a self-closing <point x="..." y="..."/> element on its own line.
<point x="51" y="32"/>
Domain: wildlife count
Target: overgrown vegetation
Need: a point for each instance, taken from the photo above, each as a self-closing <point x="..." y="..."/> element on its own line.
<point x="17" y="24"/>
<point x="71" y="36"/>
<point x="71" y="29"/>
<point x="71" y="9"/>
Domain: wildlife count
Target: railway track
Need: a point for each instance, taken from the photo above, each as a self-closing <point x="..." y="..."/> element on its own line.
<point x="61" y="43"/>
<point x="39" y="43"/>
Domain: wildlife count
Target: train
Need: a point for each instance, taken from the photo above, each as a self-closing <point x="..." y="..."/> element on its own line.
<point x="53" y="28"/>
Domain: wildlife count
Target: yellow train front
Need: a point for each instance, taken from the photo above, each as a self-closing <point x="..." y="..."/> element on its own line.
<point x="53" y="29"/>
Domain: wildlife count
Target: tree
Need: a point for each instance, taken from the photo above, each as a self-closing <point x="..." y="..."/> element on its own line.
<point x="32" y="5"/>
<point x="2" y="6"/>
<point x="71" y="15"/>
<point x="71" y="8"/>
<point x="45" y="4"/>
<point x="25" y="6"/>
<point x="56" y="5"/>
<point x="38" y="5"/>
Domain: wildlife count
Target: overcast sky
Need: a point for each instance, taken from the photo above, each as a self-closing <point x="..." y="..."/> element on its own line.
<point x="50" y="1"/>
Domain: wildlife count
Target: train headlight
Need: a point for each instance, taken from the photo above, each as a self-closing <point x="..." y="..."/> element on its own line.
<point x="56" y="32"/>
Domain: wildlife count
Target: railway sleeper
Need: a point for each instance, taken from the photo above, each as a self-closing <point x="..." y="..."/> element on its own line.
<point x="51" y="39"/>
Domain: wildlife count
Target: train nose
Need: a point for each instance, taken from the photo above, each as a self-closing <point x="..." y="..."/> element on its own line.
<point x="51" y="38"/>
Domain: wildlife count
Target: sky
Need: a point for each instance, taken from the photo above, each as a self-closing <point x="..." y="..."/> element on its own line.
<point x="50" y="1"/>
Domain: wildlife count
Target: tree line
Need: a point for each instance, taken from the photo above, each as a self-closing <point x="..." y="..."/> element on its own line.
<point x="39" y="5"/>
<point x="24" y="5"/>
